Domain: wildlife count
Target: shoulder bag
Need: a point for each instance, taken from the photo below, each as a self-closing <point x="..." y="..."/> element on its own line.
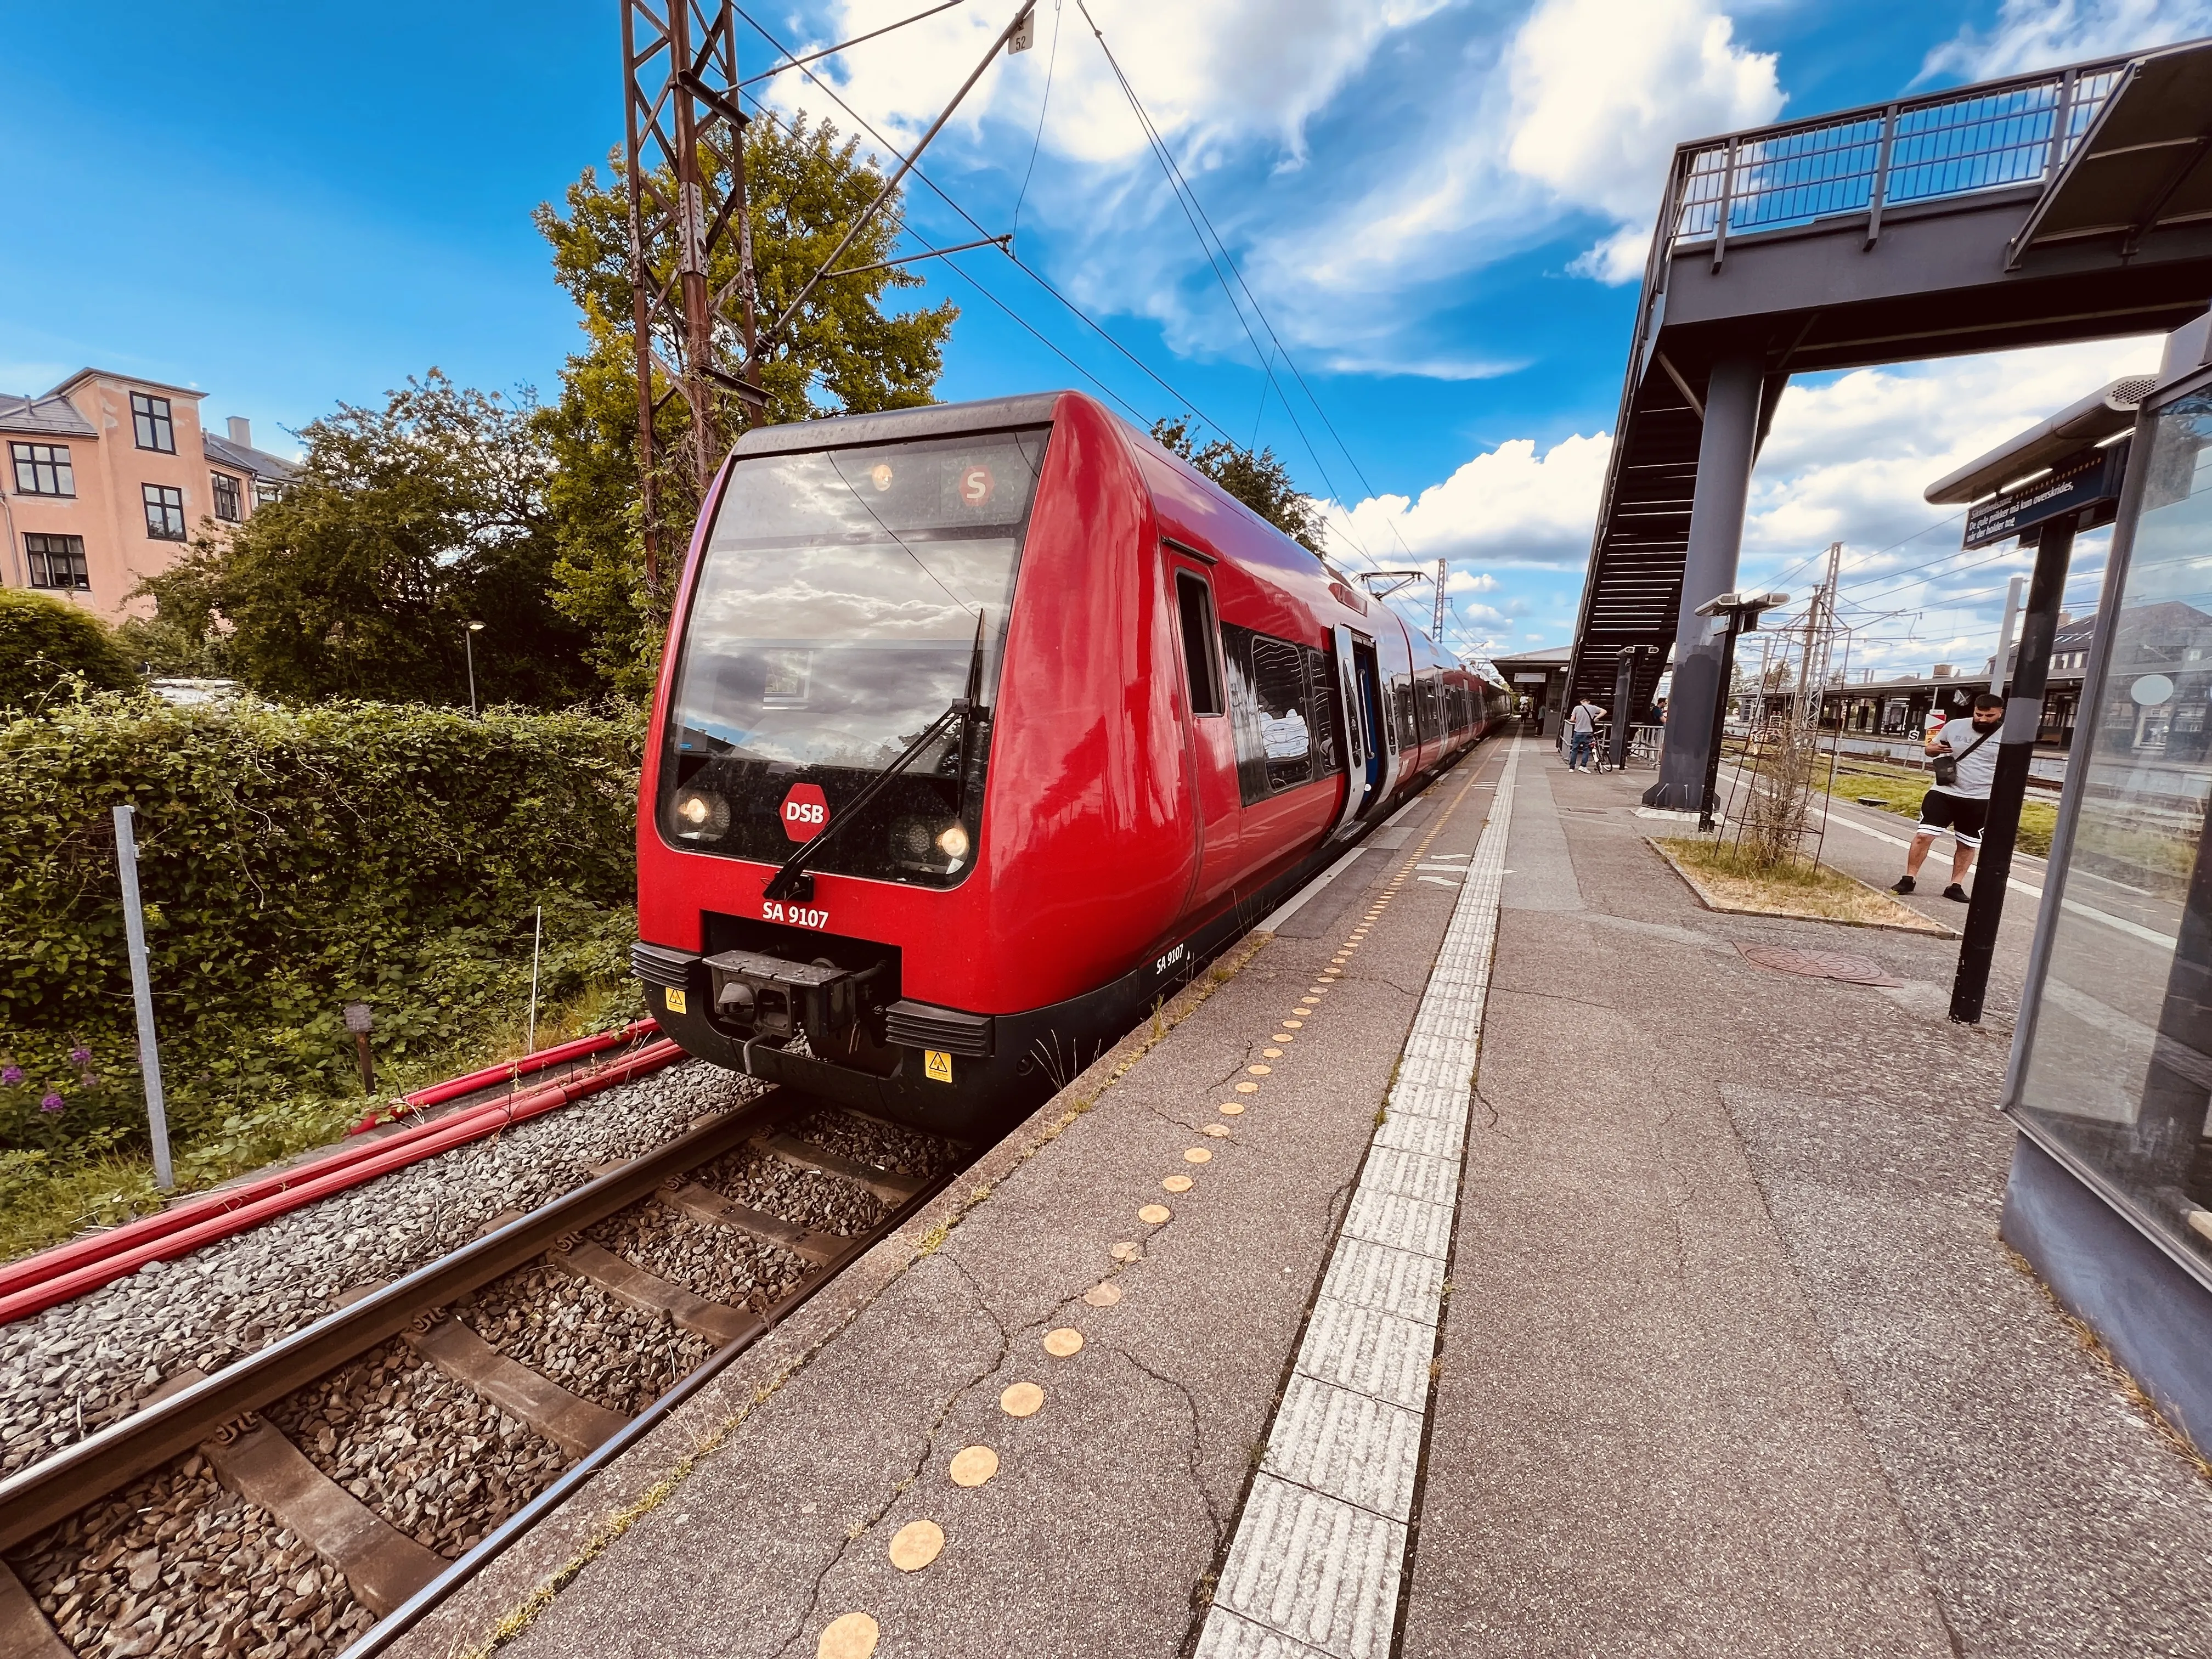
<point x="1947" y="766"/>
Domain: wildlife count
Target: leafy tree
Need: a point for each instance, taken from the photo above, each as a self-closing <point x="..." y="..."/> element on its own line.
<point x="404" y="524"/>
<point x="1259" y="479"/>
<point x="845" y="353"/>
<point x="48" y="645"/>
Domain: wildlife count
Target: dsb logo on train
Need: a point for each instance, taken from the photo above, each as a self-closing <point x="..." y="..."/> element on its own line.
<point x="805" y="809"/>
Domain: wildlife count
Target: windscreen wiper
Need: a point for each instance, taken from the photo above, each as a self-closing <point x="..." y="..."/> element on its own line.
<point x="791" y="880"/>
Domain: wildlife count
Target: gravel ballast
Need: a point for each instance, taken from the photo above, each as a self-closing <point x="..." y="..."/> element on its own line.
<point x="174" y="1564"/>
<point x="418" y="1448"/>
<point x="68" y="1371"/>
<point x="571" y="1332"/>
<point x="762" y="1180"/>
<point x="720" y="1263"/>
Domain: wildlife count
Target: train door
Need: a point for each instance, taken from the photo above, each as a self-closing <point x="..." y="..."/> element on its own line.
<point x="1382" y="739"/>
<point x="1356" y="736"/>
<point x="1205" y="689"/>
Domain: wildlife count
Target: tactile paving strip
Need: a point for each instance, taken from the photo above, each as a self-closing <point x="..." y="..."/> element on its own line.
<point x="1313" y="1568"/>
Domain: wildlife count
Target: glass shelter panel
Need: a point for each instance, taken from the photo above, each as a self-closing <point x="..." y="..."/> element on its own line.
<point x="2119" y="1069"/>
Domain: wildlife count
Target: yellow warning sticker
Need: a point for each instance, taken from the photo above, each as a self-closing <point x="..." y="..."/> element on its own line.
<point x="673" y="1000"/>
<point x="938" y="1064"/>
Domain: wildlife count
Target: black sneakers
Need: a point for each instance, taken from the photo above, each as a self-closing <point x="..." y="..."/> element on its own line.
<point x="1902" y="885"/>
<point x="1955" y="893"/>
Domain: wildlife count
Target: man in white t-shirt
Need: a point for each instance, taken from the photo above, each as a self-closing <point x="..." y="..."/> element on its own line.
<point x="1961" y="807"/>
<point x="1581" y="734"/>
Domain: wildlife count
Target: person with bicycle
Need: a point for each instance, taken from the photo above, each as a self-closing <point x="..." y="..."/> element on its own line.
<point x="1581" y="734"/>
<point x="1965" y="764"/>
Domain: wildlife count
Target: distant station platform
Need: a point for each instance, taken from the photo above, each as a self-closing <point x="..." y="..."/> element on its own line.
<point x="1487" y="1256"/>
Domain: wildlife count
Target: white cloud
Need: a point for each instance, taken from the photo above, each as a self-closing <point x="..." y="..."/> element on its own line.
<point x="1604" y="89"/>
<point x="1848" y="459"/>
<point x="2036" y="35"/>
<point x="1507" y="508"/>
<point x="1208" y="75"/>
<point x="1456" y="136"/>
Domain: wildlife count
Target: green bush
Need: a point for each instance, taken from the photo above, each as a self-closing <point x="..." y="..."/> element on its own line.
<point x="46" y="645"/>
<point x="290" y="862"/>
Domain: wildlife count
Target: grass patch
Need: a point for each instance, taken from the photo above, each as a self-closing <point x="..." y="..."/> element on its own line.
<point x="48" y="1193"/>
<point x="1724" y="878"/>
<point x="1897" y="790"/>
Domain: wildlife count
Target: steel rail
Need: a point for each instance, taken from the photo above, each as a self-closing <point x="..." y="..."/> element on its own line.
<point x="381" y="1637"/>
<point x="50" y="1491"/>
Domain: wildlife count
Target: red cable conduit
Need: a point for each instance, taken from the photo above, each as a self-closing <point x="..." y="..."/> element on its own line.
<point x="69" y="1270"/>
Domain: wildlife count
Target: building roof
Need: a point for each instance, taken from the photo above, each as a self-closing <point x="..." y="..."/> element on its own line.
<point x="1552" y="656"/>
<point x="259" y="463"/>
<point x="50" y="415"/>
<point x="83" y="374"/>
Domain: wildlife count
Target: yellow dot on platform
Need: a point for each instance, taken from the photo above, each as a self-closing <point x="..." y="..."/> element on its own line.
<point x="1275" y="1054"/>
<point x="852" y="1637"/>
<point x="1127" y="1250"/>
<point x="1284" y="1036"/>
<point x="1177" y="1183"/>
<point x="916" y="1545"/>
<point x="1295" y="1025"/>
<point x="1232" y="1109"/>
<point x="973" y="1465"/>
<point x="1260" y="1071"/>
<point x="1198" y="1155"/>
<point x="1248" y="1088"/>
<point x="1218" y="1131"/>
<point x="1101" y="1295"/>
<point x="1063" y="1342"/>
<point x="1153" y="1215"/>
<point x="1311" y="1001"/>
<point x="1022" y="1400"/>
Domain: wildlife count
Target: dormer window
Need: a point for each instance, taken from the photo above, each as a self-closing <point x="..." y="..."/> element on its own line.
<point x="151" y="422"/>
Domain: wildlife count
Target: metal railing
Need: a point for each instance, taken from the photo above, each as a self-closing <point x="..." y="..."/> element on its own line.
<point x="1917" y="150"/>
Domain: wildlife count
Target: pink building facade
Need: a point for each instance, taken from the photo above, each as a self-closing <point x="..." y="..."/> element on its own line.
<point x="105" y="479"/>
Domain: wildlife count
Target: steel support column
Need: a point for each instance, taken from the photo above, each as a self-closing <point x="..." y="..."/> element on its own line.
<point x="1725" y="451"/>
<point x="1623" y="688"/>
<point x="2039" y="627"/>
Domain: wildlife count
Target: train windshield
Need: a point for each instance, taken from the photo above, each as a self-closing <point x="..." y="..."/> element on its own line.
<point x="837" y="614"/>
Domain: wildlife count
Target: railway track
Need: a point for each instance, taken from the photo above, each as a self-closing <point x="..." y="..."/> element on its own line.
<point x="345" y="1479"/>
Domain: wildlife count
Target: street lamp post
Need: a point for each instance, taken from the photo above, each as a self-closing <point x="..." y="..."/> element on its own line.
<point x="469" y="645"/>
<point x="1732" y="614"/>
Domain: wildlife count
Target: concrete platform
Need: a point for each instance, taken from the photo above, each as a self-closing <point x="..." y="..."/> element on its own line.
<point x="1709" y="1348"/>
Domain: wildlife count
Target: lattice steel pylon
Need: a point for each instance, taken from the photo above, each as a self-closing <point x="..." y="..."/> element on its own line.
<point x="680" y="72"/>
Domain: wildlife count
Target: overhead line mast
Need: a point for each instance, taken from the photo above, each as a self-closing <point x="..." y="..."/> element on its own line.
<point x="680" y="75"/>
<point x="684" y="155"/>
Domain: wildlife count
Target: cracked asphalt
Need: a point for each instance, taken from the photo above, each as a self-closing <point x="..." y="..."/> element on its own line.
<point x="1105" y="1524"/>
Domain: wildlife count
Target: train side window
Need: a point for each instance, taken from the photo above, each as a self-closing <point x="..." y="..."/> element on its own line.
<point x="1201" y="661"/>
<point x="1321" y="698"/>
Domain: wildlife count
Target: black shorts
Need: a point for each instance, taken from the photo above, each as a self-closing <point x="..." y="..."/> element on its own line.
<point x="1963" y="817"/>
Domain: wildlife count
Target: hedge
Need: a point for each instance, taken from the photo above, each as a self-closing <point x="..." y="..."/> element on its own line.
<point x="291" y="861"/>
<point x="45" y="644"/>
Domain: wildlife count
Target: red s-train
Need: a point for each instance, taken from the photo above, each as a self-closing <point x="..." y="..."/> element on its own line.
<point x="982" y="726"/>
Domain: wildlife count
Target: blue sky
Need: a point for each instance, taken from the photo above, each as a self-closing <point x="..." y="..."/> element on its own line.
<point x="1435" y="204"/>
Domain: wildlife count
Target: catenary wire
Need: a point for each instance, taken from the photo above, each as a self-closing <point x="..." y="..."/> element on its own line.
<point x="1027" y="271"/>
<point x="1044" y="106"/>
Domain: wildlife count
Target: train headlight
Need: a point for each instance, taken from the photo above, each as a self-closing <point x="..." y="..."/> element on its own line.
<point x="932" y="845"/>
<point x="700" y="814"/>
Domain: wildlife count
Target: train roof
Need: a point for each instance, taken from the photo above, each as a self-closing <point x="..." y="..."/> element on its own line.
<point x="899" y="425"/>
